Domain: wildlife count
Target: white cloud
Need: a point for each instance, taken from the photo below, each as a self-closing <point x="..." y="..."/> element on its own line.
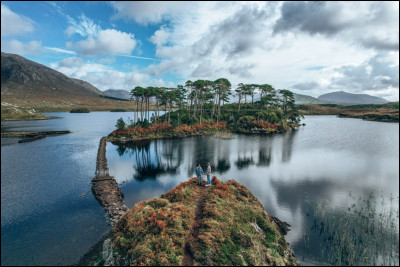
<point x="107" y="42"/>
<point x="160" y="36"/>
<point x="145" y="12"/>
<point x="76" y="67"/>
<point x="84" y="27"/>
<point x="20" y="48"/>
<point x="237" y="41"/>
<point x="60" y="50"/>
<point x="14" y="24"/>
<point x="103" y="76"/>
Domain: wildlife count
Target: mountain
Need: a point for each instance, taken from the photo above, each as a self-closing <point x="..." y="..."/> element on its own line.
<point x="28" y="84"/>
<point x="122" y="94"/>
<point x="344" y="97"/>
<point x="23" y="78"/>
<point x="299" y="99"/>
<point x="306" y="99"/>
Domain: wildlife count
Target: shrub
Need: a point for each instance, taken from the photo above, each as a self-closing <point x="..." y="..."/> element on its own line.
<point x="79" y="110"/>
<point x="120" y="124"/>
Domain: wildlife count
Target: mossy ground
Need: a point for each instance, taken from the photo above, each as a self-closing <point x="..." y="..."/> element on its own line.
<point x="14" y="112"/>
<point x="234" y="229"/>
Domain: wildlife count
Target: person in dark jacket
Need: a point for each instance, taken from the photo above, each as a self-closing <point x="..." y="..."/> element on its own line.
<point x="199" y="173"/>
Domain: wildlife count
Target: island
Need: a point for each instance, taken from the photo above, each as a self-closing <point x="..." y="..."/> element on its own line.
<point x="200" y="108"/>
<point x="224" y="224"/>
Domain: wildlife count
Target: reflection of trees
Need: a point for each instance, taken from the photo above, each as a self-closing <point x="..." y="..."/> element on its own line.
<point x="265" y="152"/>
<point x="287" y="145"/>
<point x="223" y="151"/>
<point x="244" y="162"/>
<point x="152" y="159"/>
<point x="264" y="156"/>
<point x="223" y="165"/>
<point x="203" y="152"/>
<point x="121" y="150"/>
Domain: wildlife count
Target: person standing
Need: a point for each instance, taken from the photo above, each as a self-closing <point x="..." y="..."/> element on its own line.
<point x="208" y="172"/>
<point x="199" y="173"/>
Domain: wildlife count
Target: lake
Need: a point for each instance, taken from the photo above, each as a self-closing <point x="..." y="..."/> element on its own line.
<point x="47" y="219"/>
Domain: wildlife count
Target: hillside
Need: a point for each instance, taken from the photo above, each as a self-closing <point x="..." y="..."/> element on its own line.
<point x="344" y="97"/>
<point x="223" y="224"/>
<point x="306" y="99"/>
<point x="31" y="85"/>
<point x="13" y="112"/>
<point x="21" y="77"/>
<point x="379" y="112"/>
<point x="298" y="98"/>
<point x="122" y="94"/>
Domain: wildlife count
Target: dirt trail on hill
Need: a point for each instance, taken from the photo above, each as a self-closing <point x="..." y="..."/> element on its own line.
<point x="201" y="194"/>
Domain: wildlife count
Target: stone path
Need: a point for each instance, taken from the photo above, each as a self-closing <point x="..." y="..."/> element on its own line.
<point x="105" y="189"/>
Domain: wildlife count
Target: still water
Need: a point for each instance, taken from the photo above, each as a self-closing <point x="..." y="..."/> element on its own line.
<point x="45" y="220"/>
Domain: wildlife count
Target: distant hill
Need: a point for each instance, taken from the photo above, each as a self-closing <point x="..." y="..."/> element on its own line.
<point x="348" y="98"/>
<point x="122" y="94"/>
<point x="298" y="98"/>
<point x="22" y="78"/>
<point x="306" y="99"/>
<point x="28" y="84"/>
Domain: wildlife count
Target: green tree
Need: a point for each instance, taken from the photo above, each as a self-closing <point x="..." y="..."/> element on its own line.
<point x="223" y="87"/>
<point x="120" y="124"/>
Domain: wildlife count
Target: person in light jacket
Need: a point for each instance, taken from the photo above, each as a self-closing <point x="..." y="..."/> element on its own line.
<point x="199" y="173"/>
<point x="208" y="172"/>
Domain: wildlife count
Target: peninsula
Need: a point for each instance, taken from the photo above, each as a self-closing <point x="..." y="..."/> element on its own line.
<point x="223" y="224"/>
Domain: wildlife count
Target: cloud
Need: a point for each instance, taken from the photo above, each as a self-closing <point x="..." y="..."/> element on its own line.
<point x="224" y="36"/>
<point x="84" y="27"/>
<point x="306" y="86"/>
<point x="104" y="77"/>
<point x="20" y="48"/>
<point x="145" y="12"/>
<point x="389" y="43"/>
<point x="13" y="23"/>
<point x="350" y="21"/>
<point x="59" y="50"/>
<point x="378" y="73"/>
<point x="377" y="76"/>
<point x="107" y="42"/>
<point x="312" y="17"/>
<point x="160" y="36"/>
<point x="235" y="36"/>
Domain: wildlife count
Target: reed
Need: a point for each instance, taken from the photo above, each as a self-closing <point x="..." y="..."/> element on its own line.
<point x="367" y="233"/>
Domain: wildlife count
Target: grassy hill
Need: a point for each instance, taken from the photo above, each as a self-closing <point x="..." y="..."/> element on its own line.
<point x="223" y="224"/>
<point x="31" y="85"/>
<point x="377" y="112"/>
<point x="14" y="112"/>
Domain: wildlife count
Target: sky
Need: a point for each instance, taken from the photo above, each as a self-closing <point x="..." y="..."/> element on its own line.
<point x="311" y="48"/>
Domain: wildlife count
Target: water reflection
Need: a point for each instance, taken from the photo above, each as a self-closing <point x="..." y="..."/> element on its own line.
<point x="152" y="158"/>
<point x="287" y="145"/>
<point x="322" y="161"/>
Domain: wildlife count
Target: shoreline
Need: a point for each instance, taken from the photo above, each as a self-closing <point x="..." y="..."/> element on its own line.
<point x="122" y="138"/>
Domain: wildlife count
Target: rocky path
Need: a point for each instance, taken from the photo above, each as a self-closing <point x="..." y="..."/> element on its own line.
<point x="201" y="194"/>
<point x="105" y="189"/>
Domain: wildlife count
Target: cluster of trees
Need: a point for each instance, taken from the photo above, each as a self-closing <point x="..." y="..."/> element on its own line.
<point x="205" y="100"/>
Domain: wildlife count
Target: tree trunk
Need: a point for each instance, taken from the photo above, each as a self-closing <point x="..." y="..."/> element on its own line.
<point x="219" y="108"/>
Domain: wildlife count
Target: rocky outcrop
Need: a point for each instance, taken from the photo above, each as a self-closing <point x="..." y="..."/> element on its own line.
<point x="105" y="188"/>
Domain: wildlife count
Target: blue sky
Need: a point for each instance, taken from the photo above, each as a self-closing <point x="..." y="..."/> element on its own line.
<point x="308" y="47"/>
